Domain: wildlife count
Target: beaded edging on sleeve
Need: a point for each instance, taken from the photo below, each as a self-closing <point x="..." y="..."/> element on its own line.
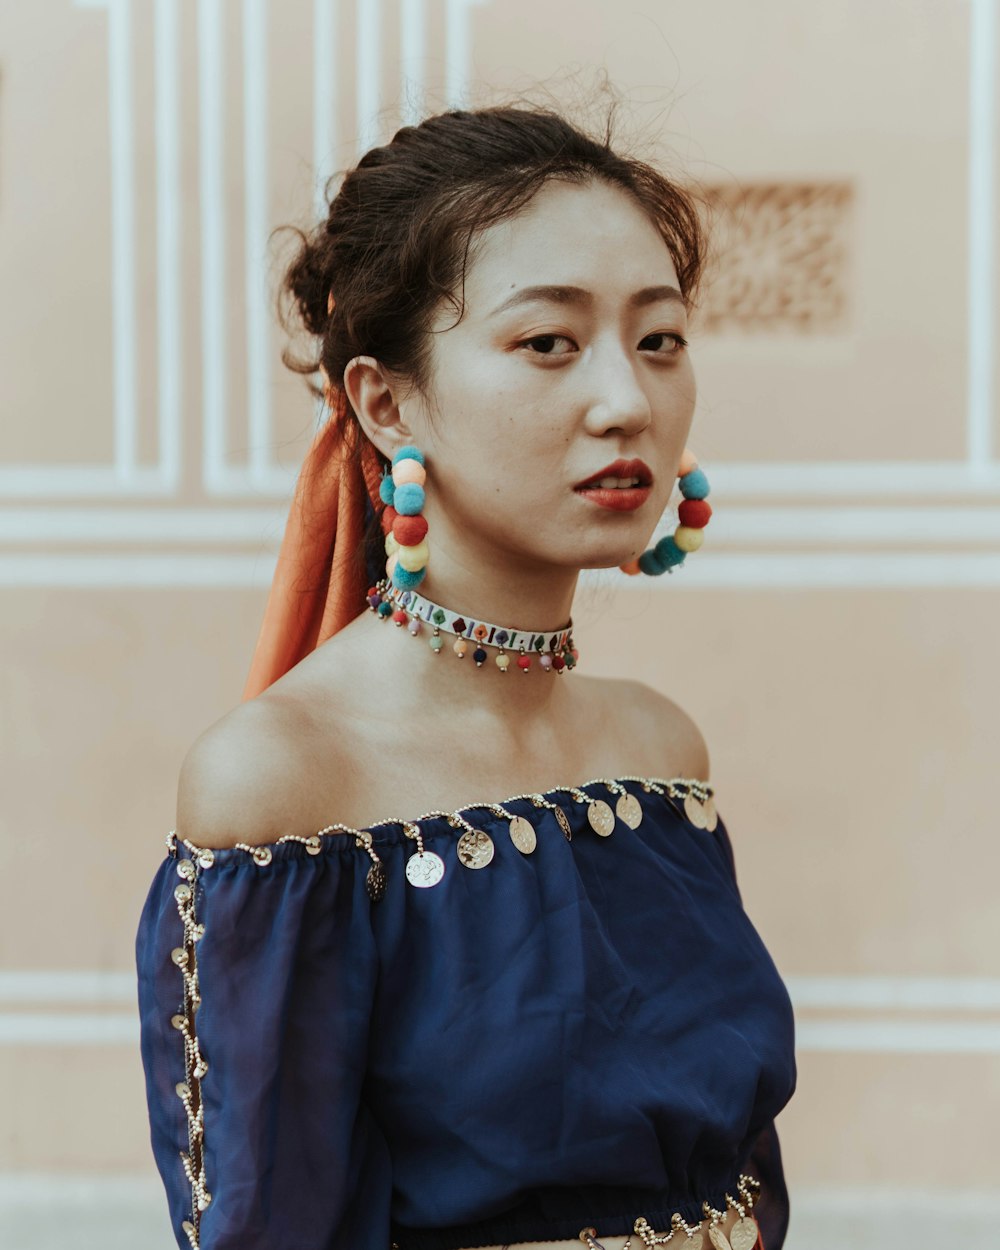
<point x="189" y="1090"/>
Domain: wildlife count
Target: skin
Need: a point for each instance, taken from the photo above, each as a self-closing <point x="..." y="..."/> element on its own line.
<point x="522" y="405"/>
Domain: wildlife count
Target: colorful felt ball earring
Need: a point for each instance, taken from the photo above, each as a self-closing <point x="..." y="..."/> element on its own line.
<point x="402" y="492"/>
<point x="693" y="514"/>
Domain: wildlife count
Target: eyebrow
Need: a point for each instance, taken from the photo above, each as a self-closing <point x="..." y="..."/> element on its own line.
<point x="578" y="295"/>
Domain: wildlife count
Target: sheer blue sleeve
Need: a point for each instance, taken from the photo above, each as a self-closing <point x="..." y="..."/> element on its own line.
<point x="256" y="977"/>
<point x="773" y="1207"/>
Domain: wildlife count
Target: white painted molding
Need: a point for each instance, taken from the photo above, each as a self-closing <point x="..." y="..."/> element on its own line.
<point x="820" y="571"/>
<point x="458" y="52"/>
<point x="68" y="1029"/>
<point x="899" y="1037"/>
<point x="169" y="228"/>
<point x="212" y="46"/>
<point x="259" y="344"/>
<point x="982" y="212"/>
<point x="854" y="479"/>
<point x="147" y="526"/>
<point x="92" y="986"/>
<point x="367" y="75"/>
<point x="882" y="993"/>
<point x="326" y="113"/>
<point x="731" y="527"/>
<point x="413" y="60"/>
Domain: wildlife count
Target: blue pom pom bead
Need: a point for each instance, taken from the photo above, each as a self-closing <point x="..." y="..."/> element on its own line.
<point x="409" y="453"/>
<point x="651" y="564"/>
<point x="386" y="489"/>
<point x="405" y="580"/>
<point x="668" y="553"/>
<point x="694" y="485"/>
<point x="408" y="498"/>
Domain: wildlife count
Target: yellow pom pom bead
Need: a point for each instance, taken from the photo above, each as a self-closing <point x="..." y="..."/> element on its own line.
<point x="460" y="646"/>
<point x="413" y="559"/>
<point x="391" y="544"/>
<point x="503" y="662"/>
<point x="688" y="538"/>
<point x="390" y="564"/>
<point x="408" y="470"/>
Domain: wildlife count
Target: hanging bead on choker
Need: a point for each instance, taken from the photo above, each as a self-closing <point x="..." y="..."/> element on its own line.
<point x="553" y="652"/>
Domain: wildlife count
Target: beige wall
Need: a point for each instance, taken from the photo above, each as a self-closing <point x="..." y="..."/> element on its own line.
<point x="834" y="637"/>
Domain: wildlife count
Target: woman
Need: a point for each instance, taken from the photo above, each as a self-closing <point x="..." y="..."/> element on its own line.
<point x="537" y="1013"/>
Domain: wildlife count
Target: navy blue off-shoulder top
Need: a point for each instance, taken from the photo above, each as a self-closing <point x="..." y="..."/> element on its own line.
<point x="577" y="1025"/>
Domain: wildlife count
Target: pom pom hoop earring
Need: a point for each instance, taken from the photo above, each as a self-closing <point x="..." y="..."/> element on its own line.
<point x="693" y="513"/>
<point x="402" y="492"/>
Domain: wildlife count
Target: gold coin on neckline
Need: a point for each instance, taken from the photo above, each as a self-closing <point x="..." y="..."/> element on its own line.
<point x="694" y="810"/>
<point x="629" y="809"/>
<point x="522" y="834"/>
<point x="743" y="1234"/>
<point x="564" y="824"/>
<point x="601" y="817"/>
<point x="718" y="1238"/>
<point x="711" y="818"/>
<point x="475" y="848"/>
<point x="424" y="869"/>
<point x="695" y="1241"/>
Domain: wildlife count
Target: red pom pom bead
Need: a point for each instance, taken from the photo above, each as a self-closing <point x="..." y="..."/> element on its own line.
<point x="558" y="662"/>
<point x="400" y="617"/>
<point x="389" y="515"/>
<point x="409" y="530"/>
<point x="524" y="661"/>
<point x="694" y="512"/>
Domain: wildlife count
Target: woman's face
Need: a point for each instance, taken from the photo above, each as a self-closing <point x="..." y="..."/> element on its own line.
<point x="534" y="395"/>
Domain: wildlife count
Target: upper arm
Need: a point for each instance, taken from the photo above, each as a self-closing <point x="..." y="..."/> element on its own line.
<point x="236" y="779"/>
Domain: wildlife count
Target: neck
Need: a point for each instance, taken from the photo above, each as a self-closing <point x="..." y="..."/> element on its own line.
<point x="426" y="676"/>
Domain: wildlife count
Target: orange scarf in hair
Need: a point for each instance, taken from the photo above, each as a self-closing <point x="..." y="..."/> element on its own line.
<point x="319" y="585"/>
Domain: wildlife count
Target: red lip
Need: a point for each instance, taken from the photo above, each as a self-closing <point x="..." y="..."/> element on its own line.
<point x="621" y="468"/>
<point x="617" y="498"/>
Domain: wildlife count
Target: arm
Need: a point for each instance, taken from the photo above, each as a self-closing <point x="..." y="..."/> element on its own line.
<point x="255" y="991"/>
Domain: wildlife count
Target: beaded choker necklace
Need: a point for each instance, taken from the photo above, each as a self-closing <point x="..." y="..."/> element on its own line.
<point x="554" y="652"/>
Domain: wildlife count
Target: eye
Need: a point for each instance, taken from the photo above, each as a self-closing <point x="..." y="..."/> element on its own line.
<point x="680" y="343"/>
<point x="545" y="338"/>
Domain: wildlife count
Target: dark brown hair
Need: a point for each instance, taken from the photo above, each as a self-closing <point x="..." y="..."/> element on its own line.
<point x="398" y="233"/>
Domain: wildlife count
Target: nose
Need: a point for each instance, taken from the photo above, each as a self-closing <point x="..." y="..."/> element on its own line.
<point x="618" y="399"/>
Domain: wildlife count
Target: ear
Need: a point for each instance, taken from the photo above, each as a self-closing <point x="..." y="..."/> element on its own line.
<point x="371" y="396"/>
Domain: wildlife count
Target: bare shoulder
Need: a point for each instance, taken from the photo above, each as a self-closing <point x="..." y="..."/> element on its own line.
<point x="242" y="777"/>
<point x="667" y="727"/>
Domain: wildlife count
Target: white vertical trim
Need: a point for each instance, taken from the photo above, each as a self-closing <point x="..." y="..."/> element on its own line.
<point x="326" y="115"/>
<point x="168" y="238"/>
<point x="211" y="175"/>
<point x="458" y="52"/>
<point x="255" y="171"/>
<point x="982" y="211"/>
<point x="412" y="60"/>
<point x="123" y="313"/>
<point x="367" y="74"/>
